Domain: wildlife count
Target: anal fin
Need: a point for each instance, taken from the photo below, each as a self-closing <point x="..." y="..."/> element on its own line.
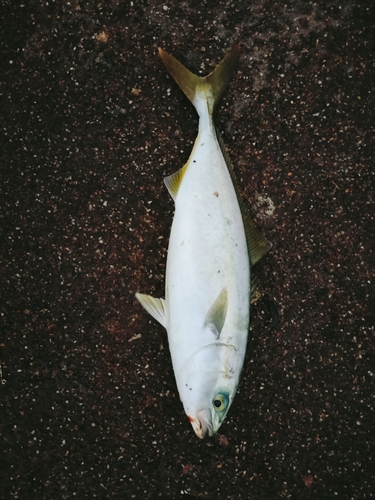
<point x="173" y="181"/>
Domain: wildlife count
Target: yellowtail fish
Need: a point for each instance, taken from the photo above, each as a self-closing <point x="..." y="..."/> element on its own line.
<point x="212" y="246"/>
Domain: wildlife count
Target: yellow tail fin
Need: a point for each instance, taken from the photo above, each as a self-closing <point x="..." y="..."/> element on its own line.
<point x="212" y="85"/>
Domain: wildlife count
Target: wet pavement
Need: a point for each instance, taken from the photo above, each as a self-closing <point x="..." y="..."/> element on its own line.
<point x="91" y="124"/>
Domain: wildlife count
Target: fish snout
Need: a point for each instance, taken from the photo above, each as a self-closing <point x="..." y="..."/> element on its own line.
<point x="202" y="424"/>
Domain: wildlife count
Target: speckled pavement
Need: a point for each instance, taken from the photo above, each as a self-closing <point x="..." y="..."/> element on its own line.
<point x="91" y="123"/>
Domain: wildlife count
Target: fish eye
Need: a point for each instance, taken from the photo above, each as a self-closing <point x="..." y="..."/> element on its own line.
<point x="220" y="402"/>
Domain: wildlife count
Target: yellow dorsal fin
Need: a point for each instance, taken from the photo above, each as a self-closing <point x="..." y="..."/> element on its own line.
<point x="257" y="244"/>
<point x="213" y="85"/>
<point x="173" y="181"/>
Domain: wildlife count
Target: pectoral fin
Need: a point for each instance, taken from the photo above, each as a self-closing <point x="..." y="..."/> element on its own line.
<point x="155" y="307"/>
<point x="217" y="313"/>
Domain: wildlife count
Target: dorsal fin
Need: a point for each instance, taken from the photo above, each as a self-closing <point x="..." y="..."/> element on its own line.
<point x="173" y="181"/>
<point x="155" y="307"/>
<point x="257" y="244"/>
<point x="217" y="313"/>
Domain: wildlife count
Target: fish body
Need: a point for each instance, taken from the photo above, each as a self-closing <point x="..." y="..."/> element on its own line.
<point x="206" y="310"/>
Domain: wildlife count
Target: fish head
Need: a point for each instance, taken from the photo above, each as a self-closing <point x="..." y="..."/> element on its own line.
<point x="208" y="384"/>
<point x="206" y="421"/>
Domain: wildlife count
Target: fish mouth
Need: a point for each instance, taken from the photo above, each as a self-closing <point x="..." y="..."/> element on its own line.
<point x="202" y="423"/>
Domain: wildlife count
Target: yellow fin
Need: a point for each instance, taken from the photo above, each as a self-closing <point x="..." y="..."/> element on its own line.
<point x="257" y="244"/>
<point x="221" y="75"/>
<point x="173" y="181"/>
<point x="187" y="81"/>
<point x="217" y="313"/>
<point x="213" y="85"/>
<point x="155" y="307"/>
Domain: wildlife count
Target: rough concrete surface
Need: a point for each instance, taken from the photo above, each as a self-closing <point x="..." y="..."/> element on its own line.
<point x="90" y="125"/>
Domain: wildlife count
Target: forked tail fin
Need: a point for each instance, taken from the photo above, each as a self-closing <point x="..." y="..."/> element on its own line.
<point x="212" y="86"/>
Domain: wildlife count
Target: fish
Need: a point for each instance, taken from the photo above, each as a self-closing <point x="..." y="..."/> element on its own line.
<point x="212" y="247"/>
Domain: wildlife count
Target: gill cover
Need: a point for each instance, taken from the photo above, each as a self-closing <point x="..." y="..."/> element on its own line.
<point x="207" y="385"/>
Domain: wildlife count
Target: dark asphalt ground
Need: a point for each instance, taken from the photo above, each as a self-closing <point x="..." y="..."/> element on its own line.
<point x="91" y="123"/>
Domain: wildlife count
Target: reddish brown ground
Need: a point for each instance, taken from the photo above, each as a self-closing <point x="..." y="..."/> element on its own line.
<point x="91" y="123"/>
